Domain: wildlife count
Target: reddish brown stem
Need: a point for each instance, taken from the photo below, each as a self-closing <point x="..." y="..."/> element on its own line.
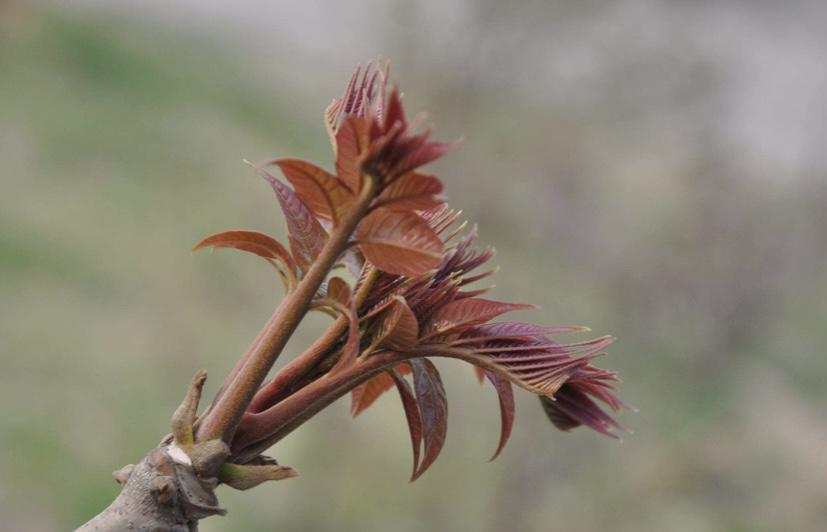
<point x="301" y="366"/>
<point x="297" y="368"/>
<point x="223" y="419"/>
<point x="261" y="430"/>
<point x="236" y="369"/>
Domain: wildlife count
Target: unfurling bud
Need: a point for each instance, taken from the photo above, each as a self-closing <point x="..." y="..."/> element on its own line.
<point x="244" y="477"/>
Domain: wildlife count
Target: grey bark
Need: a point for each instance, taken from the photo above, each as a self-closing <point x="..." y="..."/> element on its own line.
<point x="173" y="487"/>
<point x="162" y="493"/>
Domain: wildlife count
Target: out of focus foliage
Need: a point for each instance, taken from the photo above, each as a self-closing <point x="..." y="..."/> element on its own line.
<point x="653" y="169"/>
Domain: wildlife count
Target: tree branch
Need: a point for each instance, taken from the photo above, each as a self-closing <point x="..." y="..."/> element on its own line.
<point x="222" y="420"/>
<point x="298" y="368"/>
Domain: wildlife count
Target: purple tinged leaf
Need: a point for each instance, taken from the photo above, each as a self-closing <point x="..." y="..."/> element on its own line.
<point x="465" y="313"/>
<point x="570" y="407"/>
<point x="433" y="408"/>
<point x="505" y="394"/>
<point x="307" y="236"/>
<point x="540" y="371"/>
<point x="548" y="347"/>
<point x="510" y="329"/>
<point x="559" y="419"/>
<point x="323" y="194"/>
<point x="413" y="416"/>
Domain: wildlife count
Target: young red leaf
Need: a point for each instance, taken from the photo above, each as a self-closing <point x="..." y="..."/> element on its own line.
<point x="339" y="298"/>
<point x="324" y="194"/>
<point x="433" y="409"/>
<point x="441" y="218"/>
<point x="464" y="313"/>
<point x="540" y="368"/>
<point x="522" y="351"/>
<point x="512" y="329"/>
<point x="542" y="372"/>
<point x="505" y="393"/>
<point x="324" y="303"/>
<point x="307" y="236"/>
<point x="360" y="97"/>
<point x="338" y="290"/>
<point x="425" y="153"/>
<point x="398" y="329"/>
<point x="252" y="242"/>
<point x="413" y="416"/>
<point x="400" y="243"/>
<point x="351" y="348"/>
<point x="352" y="140"/>
<point x="394" y="112"/>
<point x="412" y="191"/>
<point x="571" y="407"/>
<point x="364" y="395"/>
<point x="355" y="100"/>
<point x="433" y="151"/>
<point x="331" y="120"/>
<point x="560" y="420"/>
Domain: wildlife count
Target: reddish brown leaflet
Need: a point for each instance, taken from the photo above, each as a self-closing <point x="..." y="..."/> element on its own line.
<point x="412" y="302"/>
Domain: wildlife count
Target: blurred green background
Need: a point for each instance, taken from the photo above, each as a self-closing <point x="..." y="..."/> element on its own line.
<point x="652" y="169"/>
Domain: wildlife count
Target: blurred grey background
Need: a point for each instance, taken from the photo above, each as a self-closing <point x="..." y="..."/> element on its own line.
<point x="652" y="169"/>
